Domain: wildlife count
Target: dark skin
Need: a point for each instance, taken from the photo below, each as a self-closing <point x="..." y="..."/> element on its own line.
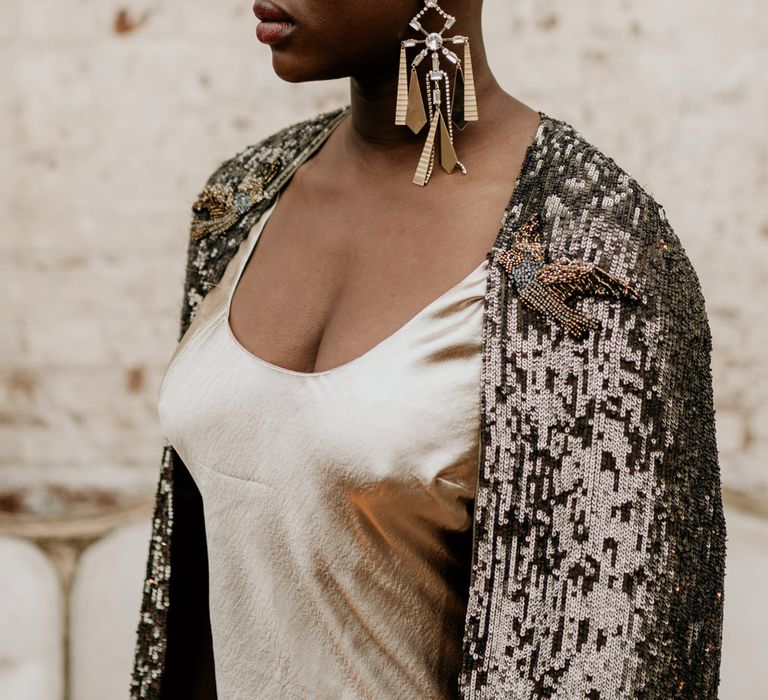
<point x="354" y="249"/>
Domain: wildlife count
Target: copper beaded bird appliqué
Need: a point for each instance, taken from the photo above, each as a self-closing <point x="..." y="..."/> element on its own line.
<point x="545" y="287"/>
<point x="225" y="205"/>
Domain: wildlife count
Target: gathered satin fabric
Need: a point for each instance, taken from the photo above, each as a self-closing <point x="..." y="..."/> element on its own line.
<point x="338" y="504"/>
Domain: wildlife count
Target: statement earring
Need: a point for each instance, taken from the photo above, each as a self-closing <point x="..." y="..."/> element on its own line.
<point x="460" y="103"/>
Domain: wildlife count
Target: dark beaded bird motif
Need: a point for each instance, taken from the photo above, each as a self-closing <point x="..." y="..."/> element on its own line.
<point x="546" y="287"/>
<point x="225" y="205"/>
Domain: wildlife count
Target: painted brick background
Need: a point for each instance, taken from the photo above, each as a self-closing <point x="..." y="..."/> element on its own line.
<point x="112" y="116"/>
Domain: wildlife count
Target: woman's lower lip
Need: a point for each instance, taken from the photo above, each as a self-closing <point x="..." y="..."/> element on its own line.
<point x="272" y="32"/>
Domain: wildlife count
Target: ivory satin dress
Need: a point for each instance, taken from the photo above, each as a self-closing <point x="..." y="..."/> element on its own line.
<point x="338" y="504"/>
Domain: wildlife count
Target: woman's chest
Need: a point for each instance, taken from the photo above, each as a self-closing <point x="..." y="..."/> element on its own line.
<point x="409" y="407"/>
<point x="315" y="293"/>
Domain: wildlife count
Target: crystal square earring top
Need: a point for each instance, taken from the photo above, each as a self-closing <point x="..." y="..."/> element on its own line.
<point x="460" y="103"/>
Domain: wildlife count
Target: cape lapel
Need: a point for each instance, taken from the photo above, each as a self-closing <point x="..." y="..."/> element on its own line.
<point x="597" y="566"/>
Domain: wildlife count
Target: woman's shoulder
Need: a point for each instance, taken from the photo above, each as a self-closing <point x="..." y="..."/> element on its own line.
<point x="592" y="208"/>
<point x="281" y="147"/>
<point x="581" y="179"/>
<point x="244" y="182"/>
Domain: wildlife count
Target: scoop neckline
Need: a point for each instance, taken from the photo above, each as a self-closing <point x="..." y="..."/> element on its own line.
<point x="530" y="152"/>
<point x="403" y="328"/>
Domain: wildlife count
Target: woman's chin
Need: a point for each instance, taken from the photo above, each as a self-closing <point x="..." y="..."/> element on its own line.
<point x="294" y="69"/>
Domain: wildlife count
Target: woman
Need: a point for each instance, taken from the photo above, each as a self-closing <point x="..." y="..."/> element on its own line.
<point x="332" y="519"/>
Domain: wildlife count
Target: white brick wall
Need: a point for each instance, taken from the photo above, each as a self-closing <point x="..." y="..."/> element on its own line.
<point x="108" y="137"/>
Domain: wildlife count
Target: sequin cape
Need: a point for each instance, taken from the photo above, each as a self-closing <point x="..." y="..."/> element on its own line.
<point x="599" y="537"/>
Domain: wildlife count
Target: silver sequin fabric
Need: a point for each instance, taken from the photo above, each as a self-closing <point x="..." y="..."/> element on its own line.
<point x="598" y="543"/>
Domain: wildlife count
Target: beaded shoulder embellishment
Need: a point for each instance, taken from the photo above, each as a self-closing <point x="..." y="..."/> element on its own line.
<point x="225" y="205"/>
<point x="545" y="287"/>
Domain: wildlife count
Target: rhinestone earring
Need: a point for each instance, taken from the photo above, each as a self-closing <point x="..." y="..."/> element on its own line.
<point x="460" y="103"/>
